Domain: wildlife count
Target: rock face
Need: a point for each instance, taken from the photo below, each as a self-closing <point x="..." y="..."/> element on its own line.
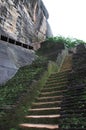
<point x="24" y="20"/>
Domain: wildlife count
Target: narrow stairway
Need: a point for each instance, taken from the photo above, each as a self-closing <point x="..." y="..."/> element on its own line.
<point x="67" y="63"/>
<point x="45" y="111"/>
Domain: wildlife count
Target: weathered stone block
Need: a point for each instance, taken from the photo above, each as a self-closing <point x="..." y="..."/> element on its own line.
<point x="24" y="20"/>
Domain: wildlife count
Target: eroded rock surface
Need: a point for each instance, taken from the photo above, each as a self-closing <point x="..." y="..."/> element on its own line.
<point x="24" y="20"/>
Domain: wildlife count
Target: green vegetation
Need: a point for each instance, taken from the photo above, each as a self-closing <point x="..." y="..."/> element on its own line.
<point x="74" y="122"/>
<point x="54" y="45"/>
<point x="52" y="67"/>
<point x="17" y="95"/>
<point x="68" y="42"/>
<point x="50" y="50"/>
<point x="19" y="84"/>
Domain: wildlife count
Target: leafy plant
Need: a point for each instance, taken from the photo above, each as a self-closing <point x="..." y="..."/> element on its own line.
<point x="19" y="84"/>
<point x="68" y="42"/>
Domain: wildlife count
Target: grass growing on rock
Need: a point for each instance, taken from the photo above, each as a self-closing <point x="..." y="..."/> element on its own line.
<point x="19" y="84"/>
<point x="18" y="93"/>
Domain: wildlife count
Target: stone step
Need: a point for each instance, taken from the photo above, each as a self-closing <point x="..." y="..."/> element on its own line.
<point x="63" y="106"/>
<point x="37" y="111"/>
<point x="42" y="119"/>
<point x="56" y="81"/>
<point x="59" y="75"/>
<point x="40" y="126"/>
<point x="59" y="87"/>
<point x="50" y="94"/>
<point x="61" y="111"/>
<point x="46" y="104"/>
<point x="47" y="99"/>
<point x="55" y="84"/>
<point x="43" y="116"/>
<point x="56" y="77"/>
<point x="45" y="109"/>
<point x="57" y="104"/>
<point x="55" y="88"/>
<point x="53" y="93"/>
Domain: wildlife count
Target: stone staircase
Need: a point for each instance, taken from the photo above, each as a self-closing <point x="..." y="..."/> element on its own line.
<point x="67" y="63"/>
<point x="46" y="110"/>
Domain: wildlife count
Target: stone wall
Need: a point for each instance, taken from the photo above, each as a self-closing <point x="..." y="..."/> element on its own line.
<point x="24" y="20"/>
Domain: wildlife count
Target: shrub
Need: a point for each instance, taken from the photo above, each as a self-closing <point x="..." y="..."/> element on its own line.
<point x="68" y="42"/>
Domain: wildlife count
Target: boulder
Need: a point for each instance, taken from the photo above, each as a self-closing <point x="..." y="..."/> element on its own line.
<point x="13" y="57"/>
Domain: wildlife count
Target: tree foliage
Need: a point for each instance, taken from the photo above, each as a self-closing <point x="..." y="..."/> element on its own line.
<point x="68" y="42"/>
